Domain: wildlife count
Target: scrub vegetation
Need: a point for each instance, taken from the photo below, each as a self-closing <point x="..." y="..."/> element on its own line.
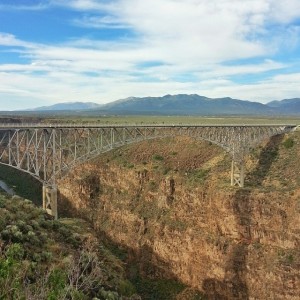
<point x="41" y="258"/>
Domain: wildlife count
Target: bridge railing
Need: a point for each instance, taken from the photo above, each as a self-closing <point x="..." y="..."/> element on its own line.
<point x="162" y="125"/>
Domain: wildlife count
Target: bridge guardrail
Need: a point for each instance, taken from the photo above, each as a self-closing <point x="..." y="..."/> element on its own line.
<point x="92" y="125"/>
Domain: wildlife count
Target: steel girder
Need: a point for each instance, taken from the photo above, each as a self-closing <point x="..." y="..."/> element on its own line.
<point x="48" y="151"/>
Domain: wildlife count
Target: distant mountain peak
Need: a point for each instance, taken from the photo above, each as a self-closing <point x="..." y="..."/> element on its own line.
<point x="68" y="106"/>
<point x="286" y="106"/>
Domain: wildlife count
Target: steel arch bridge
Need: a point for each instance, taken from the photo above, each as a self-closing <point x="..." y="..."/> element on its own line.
<point x="48" y="151"/>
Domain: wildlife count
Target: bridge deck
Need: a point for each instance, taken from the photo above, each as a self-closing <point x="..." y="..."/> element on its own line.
<point x="93" y="125"/>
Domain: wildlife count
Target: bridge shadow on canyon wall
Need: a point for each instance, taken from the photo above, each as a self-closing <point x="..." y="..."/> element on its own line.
<point x="234" y="284"/>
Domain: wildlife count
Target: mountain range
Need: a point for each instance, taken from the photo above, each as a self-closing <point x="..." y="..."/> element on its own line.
<point x="67" y="106"/>
<point x="181" y="104"/>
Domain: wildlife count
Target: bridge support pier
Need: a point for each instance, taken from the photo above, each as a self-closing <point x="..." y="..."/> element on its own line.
<point x="50" y="200"/>
<point x="237" y="173"/>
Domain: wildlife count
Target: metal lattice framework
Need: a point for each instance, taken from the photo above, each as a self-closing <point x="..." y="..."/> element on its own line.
<point x="48" y="151"/>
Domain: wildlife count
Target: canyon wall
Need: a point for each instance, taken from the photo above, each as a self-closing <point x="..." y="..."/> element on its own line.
<point x="169" y="203"/>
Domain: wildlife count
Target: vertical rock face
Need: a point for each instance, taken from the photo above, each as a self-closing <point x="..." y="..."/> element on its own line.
<point x="179" y="218"/>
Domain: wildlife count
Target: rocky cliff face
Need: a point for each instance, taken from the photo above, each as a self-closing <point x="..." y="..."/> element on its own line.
<point x="169" y="203"/>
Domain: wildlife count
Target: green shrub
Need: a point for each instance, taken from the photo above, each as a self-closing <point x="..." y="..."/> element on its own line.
<point x="5" y="235"/>
<point x="10" y="271"/>
<point x="126" y="288"/>
<point x="158" y="157"/>
<point x="290" y="259"/>
<point x="288" y="143"/>
<point x="17" y="236"/>
<point x="22" y="226"/>
<point x="108" y="295"/>
<point x="36" y="257"/>
<point x="45" y="224"/>
<point x="166" y="170"/>
<point x="2" y="203"/>
<point x="57" y="282"/>
<point x="177" y="225"/>
<point x="31" y="251"/>
<point x="56" y="225"/>
<point x="15" y="251"/>
<point x="46" y="256"/>
<point x="64" y="232"/>
<point x="198" y="176"/>
<point x="159" y="289"/>
<point x="35" y="224"/>
<point x="153" y="186"/>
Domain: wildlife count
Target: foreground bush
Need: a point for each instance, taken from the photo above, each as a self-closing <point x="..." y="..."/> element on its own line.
<point x="45" y="259"/>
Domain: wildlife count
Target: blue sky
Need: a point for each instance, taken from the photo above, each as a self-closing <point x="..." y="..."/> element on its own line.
<point x="103" y="50"/>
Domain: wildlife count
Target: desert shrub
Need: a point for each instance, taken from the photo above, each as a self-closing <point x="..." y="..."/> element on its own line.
<point x="126" y="288"/>
<point x="153" y="186"/>
<point x="11" y="271"/>
<point x="158" y="157"/>
<point x="5" y="234"/>
<point x="108" y="295"/>
<point x="64" y="232"/>
<point x="198" y="176"/>
<point x="2" y="203"/>
<point x="45" y="224"/>
<point x="166" y="170"/>
<point x="40" y="259"/>
<point x="55" y="225"/>
<point x="33" y="239"/>
<point x="22" y="226"/>
<point x="57" y="282"/>
<point x="35" y="224"/>
<point x="158" y="288"/>
<point x="15" y="252"/>
<point x="288" y="143"/>
<point x="177" y="225"/>
<point x="46" y="256"/>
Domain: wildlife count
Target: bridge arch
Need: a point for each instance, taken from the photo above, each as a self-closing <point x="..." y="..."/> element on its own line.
<point x="46" y="151"/>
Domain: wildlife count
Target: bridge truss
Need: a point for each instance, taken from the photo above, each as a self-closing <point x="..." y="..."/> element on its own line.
<point x="47" y="152"/>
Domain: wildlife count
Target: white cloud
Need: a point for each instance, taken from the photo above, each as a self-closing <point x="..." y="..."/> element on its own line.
<point x="196" y="30"/>
<point x="83" y="5"/>
<point x="34" y="6"/>
<point x="99" y="22"/>
<point x="7" y="39"/>
<point x="194" y="46"/>
<point x="284" y="11"/>
<point x="275" y="88"/>
<point x="225" y="71"/>
<point x="60" y="86"/>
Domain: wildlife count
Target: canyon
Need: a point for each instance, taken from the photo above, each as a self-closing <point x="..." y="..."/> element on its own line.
<point x="168" y="204"/>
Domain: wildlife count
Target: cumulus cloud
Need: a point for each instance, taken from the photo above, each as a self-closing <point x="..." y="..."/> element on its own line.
<point x="7" y="39"/>
<point x="216" y="30"/>
<point x="168" y="46"/>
